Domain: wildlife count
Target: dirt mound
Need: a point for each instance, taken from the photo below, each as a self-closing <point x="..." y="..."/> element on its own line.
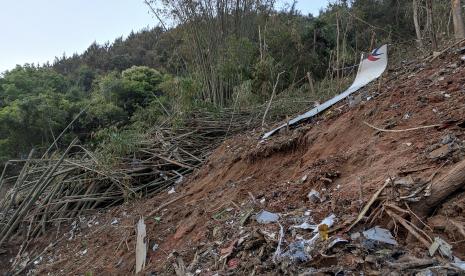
<point x="209" y="222"/>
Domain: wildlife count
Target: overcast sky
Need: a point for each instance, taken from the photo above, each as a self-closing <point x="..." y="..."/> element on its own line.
<point x="35" y="31"/>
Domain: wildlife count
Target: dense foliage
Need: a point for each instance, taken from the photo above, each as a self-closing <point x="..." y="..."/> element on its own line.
<point x="209" y="60"/>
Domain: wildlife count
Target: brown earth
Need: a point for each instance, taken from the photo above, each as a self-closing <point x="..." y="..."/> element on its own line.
<point x="211" y="225"/>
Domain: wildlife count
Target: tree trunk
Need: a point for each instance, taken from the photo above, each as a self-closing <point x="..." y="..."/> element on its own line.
<point x="430" y="24"/>
<point x="441" y="189"/>
<point x="416" y="23"/>
<point x="459" y="27"/>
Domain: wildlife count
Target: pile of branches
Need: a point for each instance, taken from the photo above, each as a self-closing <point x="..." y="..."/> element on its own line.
<point x="60" y="187"/>
<point x="57" y="188"/>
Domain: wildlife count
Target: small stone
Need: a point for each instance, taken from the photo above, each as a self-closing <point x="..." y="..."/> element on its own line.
<point x="440" y="153"/>
<point x="355" y="236"/>
<point x="370" y="259"/>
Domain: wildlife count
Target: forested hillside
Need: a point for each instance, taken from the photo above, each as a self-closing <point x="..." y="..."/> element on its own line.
<point x="212" y="57"/>
<point x="148" y="154"/>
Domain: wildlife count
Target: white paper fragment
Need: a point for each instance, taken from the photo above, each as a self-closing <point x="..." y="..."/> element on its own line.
<point x="380" y="234"/>
<point x="171" y="191"/>
<point x="265" y="217"/>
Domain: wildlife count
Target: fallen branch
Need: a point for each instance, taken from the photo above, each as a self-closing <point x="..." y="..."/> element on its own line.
<point x="459" y="227"/>
<point x="401" y="130"/>
<point x="445" y="50"/>
<point x="409" y="227"/>
<point x="167" y="203"/>
<point x="141" y="245"/>
<point x="413" y="263"/>
<point x="367" y="206"/>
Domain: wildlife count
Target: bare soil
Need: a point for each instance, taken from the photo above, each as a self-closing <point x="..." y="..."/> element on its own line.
<point x="212" y="228"/>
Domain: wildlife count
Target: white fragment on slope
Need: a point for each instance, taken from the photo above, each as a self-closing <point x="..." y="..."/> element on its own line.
<point x="141" y="245"/>
<point x="36" y="262"/>
<point x="443" y="246"/>
<point x="265" y="217"/>
<point x="277" y="254"/>
<point x="328" y="221"/>
<point x="380" y="234"/>
<point x="171" y="191"/>
<point x="368" y="71"/>
<point x="314" y="196"/>
<point x="336" y="241"/>
<point x="459" y="263"/>
<point x="115" y="221"/>
<point x="179" y="180"/>
<point x="305" y="226"/>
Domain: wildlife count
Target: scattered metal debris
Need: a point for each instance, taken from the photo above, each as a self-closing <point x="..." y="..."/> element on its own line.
<point x="314" y="196"/>
<point x="380" y="234"/>
<point x="265" y="217"/>
<point x="444" y="248"/>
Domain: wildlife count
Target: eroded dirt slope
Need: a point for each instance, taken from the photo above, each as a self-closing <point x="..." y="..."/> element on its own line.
<point x="209" y="221"/>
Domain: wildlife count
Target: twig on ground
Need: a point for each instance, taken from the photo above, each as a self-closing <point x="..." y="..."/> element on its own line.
<point x="367" y="206"/>
<point x="410" y="228"/>
<point x="401" y="130"/>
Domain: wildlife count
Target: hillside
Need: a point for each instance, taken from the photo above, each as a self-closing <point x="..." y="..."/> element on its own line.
<point x="208" y="225"/>
<point x="146" y="155"/>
